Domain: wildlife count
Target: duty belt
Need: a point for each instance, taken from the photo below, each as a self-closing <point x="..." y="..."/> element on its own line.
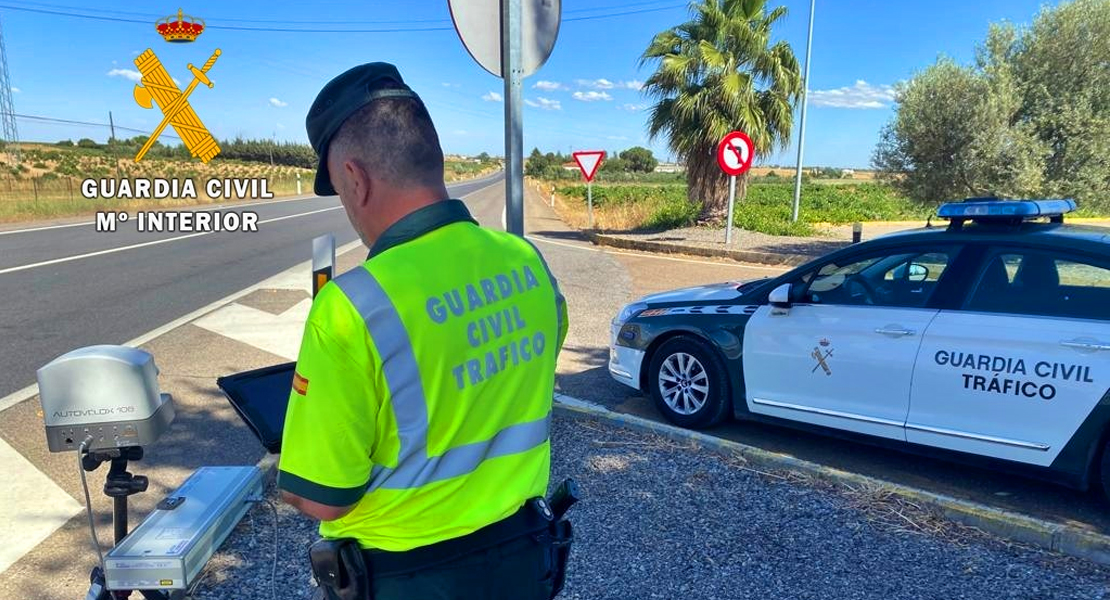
<point x="526" y="521"/>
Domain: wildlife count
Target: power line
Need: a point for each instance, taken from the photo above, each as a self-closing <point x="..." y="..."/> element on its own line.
<point x="335" y="22"/>
<point x="316" y="30"/>
<point x="42" y="119"/>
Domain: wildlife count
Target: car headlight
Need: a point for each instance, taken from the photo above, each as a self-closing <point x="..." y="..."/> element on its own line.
<point x="629" y="311"/>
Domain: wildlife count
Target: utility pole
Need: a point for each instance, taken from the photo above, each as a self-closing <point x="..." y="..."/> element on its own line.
<point x="112" y="142"/>
<point x="8" y="132"/>
<point x="802" y="131"/>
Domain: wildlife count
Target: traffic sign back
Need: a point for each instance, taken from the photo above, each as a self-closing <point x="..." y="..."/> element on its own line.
<point x="479" y="21"/>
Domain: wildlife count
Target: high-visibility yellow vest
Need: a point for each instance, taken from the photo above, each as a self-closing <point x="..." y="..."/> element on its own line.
<point x="424" y="384"/>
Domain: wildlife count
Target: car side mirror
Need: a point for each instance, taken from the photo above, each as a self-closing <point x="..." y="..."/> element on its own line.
<point x="918" y="273"/>
<point x="780" y="296"/>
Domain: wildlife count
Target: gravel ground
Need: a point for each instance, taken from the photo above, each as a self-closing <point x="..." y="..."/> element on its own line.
<point x="665" y="520"/>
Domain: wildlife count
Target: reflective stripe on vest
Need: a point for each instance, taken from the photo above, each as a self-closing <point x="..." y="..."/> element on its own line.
<point x="402" y="375"/>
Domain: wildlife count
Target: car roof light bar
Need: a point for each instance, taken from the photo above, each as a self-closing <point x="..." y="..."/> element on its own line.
<point x="994" y="210"/>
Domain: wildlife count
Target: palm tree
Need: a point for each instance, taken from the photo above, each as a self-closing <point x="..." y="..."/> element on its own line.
<point x="716" y="73"/>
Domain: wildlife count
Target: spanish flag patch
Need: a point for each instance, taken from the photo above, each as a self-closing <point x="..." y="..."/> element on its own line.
<point x="300" y="384"/>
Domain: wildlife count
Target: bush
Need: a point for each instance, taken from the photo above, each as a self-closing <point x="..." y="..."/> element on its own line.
<point x="836" y="204"/>
<point x="87" y="143"/>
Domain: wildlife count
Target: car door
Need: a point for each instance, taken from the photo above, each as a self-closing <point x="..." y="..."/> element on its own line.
<point x="1015" y="372"/>
<point x="842" y="354"/>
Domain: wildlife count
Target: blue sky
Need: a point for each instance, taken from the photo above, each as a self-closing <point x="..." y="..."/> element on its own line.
<point x="585" y="97"/>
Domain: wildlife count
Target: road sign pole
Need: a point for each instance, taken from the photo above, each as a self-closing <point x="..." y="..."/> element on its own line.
<point x="731" y="204"/>
<point x="802" y="131"/>
<point x="513" y="73"/>
<point x="590" y="202"/>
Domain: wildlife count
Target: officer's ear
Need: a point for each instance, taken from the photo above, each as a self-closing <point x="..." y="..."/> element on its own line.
<point x="359" y="186"/>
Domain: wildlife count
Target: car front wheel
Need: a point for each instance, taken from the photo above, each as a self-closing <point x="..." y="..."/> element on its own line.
<point x="688" y="383"/>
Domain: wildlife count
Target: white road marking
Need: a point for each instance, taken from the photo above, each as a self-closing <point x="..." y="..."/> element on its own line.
<point x="199" y="207"/>
<point x="33" y="506"/>
<point x="276" y="334"/>
<point x="150" y="243"/>
<point x="657" y="257"/>
<point x="47" y="227"/>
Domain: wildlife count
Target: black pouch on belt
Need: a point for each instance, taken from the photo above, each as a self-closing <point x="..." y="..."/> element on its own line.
<point x="562" y="535"/>
<point x="559" y="536"/>
<point x="340" y="570"/>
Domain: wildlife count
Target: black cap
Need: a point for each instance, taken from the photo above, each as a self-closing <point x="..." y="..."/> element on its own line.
<point x="339" y="99"/>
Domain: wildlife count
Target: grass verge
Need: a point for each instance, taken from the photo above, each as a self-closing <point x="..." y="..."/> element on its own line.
<point x="767" y="207"/>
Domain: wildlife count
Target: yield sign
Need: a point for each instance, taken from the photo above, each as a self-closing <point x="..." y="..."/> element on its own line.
<point x="735" y="153"/>
<point x="588" y="161"/>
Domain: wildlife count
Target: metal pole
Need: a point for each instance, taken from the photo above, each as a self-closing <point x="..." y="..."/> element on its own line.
<point x="512" y="72"/>
<point x="112" y="125"/>
<point x="802" y="132"/>
<point x="590" y="202"/>
<point x="731" y="204"/>
<point x="298" y="184"/>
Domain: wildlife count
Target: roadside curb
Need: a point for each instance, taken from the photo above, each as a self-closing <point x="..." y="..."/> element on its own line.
<point x="1064" y="539"/>
<point x="746" y="256"/>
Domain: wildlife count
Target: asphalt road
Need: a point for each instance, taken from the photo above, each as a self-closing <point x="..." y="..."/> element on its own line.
<point x="49" y="308"/>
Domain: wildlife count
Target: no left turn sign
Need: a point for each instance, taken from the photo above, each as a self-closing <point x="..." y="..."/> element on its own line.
<point x="735" y="153"/>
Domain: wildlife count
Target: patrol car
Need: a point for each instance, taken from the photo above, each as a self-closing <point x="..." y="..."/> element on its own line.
<point x="986" y="339"/>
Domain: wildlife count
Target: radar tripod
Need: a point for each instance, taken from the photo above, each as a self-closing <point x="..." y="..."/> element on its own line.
<point x="119" y="485"/>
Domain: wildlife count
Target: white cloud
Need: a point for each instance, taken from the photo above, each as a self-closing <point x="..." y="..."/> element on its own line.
<point x="492" y="97"/>
<point x="279" y="125"/>
<point x="597" y="84"/>
<point x="16" y="90"/>
<point x="633" y="84"/>
<point x="277" y="103"/>
<point x="592" y="96"/>
<point x="176" y="81"/>
<point x="548" y="86"/>
<point x="632" y="107"/>
<point x="617" y="138"/>
<point x="451" y="85"/>
<point x="860" y="95"/>
<point x="127" y="74"/>
<point x="544" y="104"/>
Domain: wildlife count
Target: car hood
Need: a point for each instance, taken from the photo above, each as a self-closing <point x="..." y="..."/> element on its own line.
<point x="714" y="292"/>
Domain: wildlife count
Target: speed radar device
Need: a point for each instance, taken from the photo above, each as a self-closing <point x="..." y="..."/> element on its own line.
<point x="104" y="402"/>
<point x="107" y="393"/>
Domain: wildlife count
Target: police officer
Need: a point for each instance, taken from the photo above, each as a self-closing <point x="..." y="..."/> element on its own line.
<point x="419" y="417"/>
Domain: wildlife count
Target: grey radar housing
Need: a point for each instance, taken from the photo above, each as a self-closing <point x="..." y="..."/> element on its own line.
<point x="108" y="393"/>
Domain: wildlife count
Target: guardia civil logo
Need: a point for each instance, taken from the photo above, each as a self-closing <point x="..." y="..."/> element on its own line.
<point x="158" y="88"/>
